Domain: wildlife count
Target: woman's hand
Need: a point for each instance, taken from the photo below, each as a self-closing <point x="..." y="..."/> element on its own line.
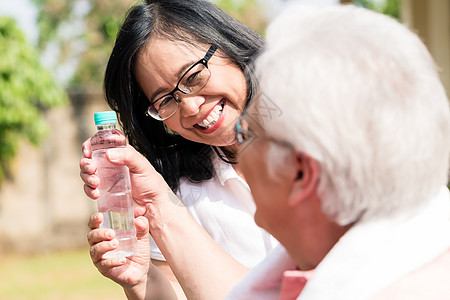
<point x="149" y="190"/>
<point x="130" y="271"/>
<point x="139" y="278"/>
<point x="87" y="172"/>
<point x="171" y="225"/>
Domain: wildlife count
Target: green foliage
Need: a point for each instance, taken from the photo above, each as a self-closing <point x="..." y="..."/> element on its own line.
<point x="248" y="12"/>
<point x="26" y="89"/>
<point x="102" y="22"/>
<point x="52" y="13"/>
<point x="387" y="7"/>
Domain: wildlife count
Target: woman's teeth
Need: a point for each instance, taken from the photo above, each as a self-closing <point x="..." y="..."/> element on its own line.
<point x="212" y="118"/>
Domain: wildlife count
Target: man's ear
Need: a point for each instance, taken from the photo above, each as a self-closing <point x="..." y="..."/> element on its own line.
<point x="305" y="184"/>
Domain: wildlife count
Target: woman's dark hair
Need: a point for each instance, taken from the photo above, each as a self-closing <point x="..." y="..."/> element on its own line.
<point x="194" y="21"/>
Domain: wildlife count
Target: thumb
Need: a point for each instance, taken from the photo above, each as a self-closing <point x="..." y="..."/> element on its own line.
<point x="146" y="182"/>
<point x="142" y="228"/>
<point x="129" y="157"/>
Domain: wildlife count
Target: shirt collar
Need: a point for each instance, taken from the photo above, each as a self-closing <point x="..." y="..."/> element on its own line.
<point x="225" y="171"/>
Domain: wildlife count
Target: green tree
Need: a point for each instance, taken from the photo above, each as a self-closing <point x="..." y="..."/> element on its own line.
<point x="387" y="7"/>
<point x="26" y="90"/>
<point x="101" y="21"/>
<point x="249" y="12"/>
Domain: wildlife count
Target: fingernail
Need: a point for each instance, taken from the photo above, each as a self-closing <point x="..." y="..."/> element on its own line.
<point x="113" y="155"/>
<point x="109" y="234"/>
<point x="96" y="194"/>
<point x="114" y="243"/>
<point x="89" y="169"/>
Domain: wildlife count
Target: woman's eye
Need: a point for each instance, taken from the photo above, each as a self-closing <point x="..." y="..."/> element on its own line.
<point x="192" y="78"/>
<point x="166" y="101"/>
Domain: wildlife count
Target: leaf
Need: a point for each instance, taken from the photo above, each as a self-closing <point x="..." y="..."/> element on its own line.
<point x="27" y="89"/>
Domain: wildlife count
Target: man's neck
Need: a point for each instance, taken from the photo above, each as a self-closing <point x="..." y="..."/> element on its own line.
<point x="316" y="235"/>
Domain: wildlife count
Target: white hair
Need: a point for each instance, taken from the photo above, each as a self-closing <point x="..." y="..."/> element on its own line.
<point x="359" y="93"/>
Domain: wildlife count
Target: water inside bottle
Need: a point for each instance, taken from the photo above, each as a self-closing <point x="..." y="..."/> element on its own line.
<point x="116" y="204"/>
<point x="122" y="223"/>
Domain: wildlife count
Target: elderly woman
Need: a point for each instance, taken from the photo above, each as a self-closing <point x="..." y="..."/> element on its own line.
<point x="351" y="177"/>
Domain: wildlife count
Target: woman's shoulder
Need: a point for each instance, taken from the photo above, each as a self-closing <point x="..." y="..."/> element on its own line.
<point x="223" y="171"/>
<point x="225" y="186"/>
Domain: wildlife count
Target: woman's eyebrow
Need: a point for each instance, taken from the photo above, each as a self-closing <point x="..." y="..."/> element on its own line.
<point x="178" y="75"/>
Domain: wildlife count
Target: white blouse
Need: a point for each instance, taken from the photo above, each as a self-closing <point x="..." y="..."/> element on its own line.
<point x="224" y="207"/>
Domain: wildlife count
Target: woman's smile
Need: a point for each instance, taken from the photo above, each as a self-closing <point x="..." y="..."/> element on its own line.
<point x="213" y="120"/>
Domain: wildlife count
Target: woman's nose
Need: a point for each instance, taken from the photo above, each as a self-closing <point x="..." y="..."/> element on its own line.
<point x="190" y="104"/>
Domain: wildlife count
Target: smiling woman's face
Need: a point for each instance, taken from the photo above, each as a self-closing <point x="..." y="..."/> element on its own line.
<point x="207" y="116"/>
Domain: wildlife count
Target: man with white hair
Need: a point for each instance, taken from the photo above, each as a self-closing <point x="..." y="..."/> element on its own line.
<point x="351" y="178"/>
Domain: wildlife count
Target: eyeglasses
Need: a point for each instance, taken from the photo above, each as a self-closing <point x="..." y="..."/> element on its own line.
<point x="243" y="134"/>
<point x="193" y="80"/>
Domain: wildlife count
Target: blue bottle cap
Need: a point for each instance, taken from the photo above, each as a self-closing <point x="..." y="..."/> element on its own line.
<point x="105" y="117"/>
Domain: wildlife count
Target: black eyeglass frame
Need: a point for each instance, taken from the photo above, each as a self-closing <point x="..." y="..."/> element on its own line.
<point x="203" y="61"/>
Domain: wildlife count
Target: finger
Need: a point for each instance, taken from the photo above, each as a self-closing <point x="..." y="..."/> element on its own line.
<point x="131" y="158"/>
<point x="98" y="250"/>
<point x="91" y="193"/>
<point x="86" y="149"/>
<point x="142" y="227"/>
<point x="95" y="220"/>
<point x="92" y="181"/>
<point x="88" y="166"/>
<point x="139" y="211"/>
<point x="99" y="235"/>
<point x="104" y="266"/>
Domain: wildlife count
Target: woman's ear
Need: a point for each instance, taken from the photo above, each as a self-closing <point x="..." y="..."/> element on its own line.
<point x="305" y="184"/>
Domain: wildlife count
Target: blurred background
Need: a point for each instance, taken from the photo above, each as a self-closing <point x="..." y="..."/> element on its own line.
<point x="52" y="57"/>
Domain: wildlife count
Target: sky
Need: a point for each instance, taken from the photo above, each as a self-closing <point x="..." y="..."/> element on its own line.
<point x="25" y="14"/>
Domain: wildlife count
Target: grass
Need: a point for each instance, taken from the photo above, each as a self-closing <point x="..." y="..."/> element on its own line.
<point x="55" y="276"/>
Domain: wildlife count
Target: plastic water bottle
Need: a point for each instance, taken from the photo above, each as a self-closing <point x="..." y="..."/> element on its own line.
<point x="115" y="202"/>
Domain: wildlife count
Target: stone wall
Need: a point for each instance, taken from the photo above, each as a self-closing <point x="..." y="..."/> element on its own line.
<point x="43" y="206"/>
